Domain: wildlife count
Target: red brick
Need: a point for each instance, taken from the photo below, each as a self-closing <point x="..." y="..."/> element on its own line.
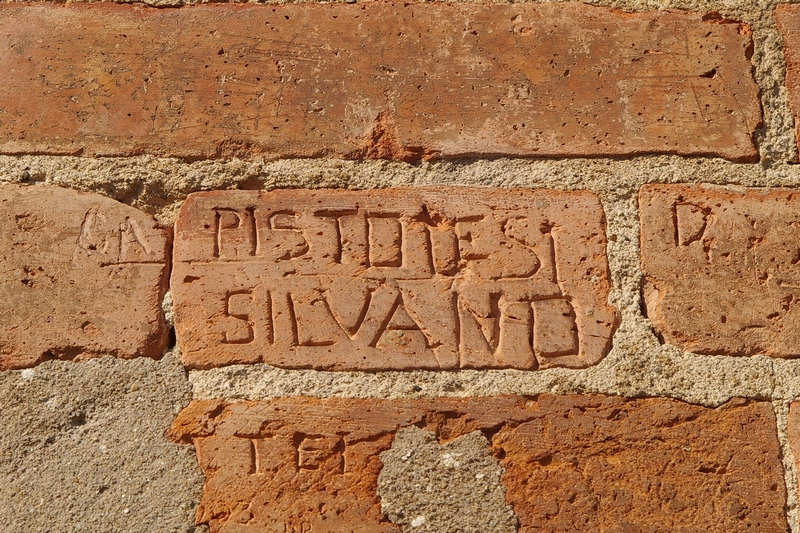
<point x="793" y="434"/>
<point x="375" y="80"/>
<point x="572" y="463"/>
<point x="721" y="268"/>
<point x="788" y="20"/>
<point x="392" y="279"/>
<point x="81" y="275"/>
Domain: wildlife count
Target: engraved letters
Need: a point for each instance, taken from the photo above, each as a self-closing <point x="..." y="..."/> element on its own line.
<point x="721" y="268"/>
<point x="376" y="280"/>
<point x="111" y="242"/>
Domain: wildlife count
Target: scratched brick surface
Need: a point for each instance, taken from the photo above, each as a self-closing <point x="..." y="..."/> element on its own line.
<point x="395" y="279"/>
<point x="80" y="275"/>
<point x="572" y="463"/>
<point x="722" y="268"/>
<point x="787" y="18"/>
<point x="793" y="434"/>
<point x="375" y="80"/>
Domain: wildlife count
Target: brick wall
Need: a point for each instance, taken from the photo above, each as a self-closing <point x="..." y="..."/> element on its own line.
<point x="399" y="267"/>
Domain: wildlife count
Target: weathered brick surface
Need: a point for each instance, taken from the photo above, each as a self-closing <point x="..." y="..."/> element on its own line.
<point x="572" y="463"/>
<point x="793" y="435"/>
<point x="721" y="268"/>
<point x="80" y="275"/>
<point x="397" y="279"/>
<point x="787" y="18"/>
<point x="375" y="80"/>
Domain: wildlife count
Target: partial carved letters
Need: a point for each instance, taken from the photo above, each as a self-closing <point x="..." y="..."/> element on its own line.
<point x="294" y="465"/>
<point x="417" y="278"/>
<point x="81" y="275"/>
<point x="112" y="242"/>
<point x="722" y="268"/>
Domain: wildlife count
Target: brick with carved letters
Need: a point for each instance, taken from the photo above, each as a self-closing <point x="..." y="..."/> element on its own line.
<point x="571" y="463"/>
<point x="722" y="268"/>
<point x="82" y="275"/>
<point x="436" y="278"/>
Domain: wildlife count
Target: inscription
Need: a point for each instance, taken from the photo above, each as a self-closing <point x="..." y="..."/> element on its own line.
<point x="373" y="280"/>
<point x="237" y="306"/>
<point x="549" y="445"/>
<point x="235" y="233"/>
<point x="82" y="275"/>
<point x="690" y="223"/>
<point x="112" y="243"/>
<point x="721" y="268"/>
<point x="132" y="240"/>
<point x="298" y="527"/>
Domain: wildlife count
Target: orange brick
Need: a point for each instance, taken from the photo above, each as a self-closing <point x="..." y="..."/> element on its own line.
<point x="393" y="279"/>
<point x="787" y="19"/>
<point x="721" y="268"/>
<point x="572" y="463"/>
<point x="374" y="80"/>
<point x="81" y="275"/>
<point x="793" y="434"/>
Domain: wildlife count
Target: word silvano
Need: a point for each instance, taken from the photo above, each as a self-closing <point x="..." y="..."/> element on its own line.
<point x="436" y="278"/>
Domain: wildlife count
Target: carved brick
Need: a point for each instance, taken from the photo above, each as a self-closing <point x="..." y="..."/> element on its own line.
<point x="375" y="80"/>
<point x="408" y="278"/>
<point x="722" y="268"/>
<point x="82" y="275"/>
<point x="571" y="463"/>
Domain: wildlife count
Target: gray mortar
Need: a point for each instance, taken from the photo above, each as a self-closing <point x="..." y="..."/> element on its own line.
<point x="166" y="308"/>
<point x="443" y="488"/>
<point x="82" y="448"/>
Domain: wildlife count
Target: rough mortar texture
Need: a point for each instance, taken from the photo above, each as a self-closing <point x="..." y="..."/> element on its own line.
<point x="781" y="409"/>
<point x="82" y="448"/>
<point x="428" y="486"/>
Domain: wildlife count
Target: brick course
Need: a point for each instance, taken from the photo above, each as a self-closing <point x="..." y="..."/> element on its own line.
<point x="375" y="80"/>
<point x="572" y="463"/>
